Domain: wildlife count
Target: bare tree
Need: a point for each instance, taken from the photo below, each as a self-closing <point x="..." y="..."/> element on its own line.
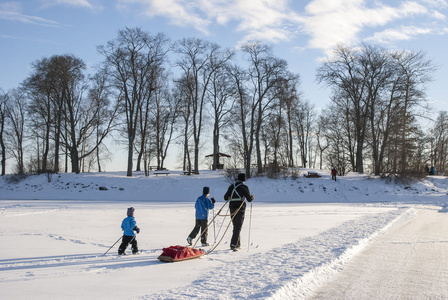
<point x="104" y="115"/>
<point x="265" y="72"/>
<point x="303" y="124"/>
<point x="199" y="60"/>
<point x="381" y="84"/>
<point x="165" y="117"/>
<point x="3" y="97"/>
<point x="321" y="137"/>
<point x="346" y="75"/>
<point x="183" y="94"/>
<point x="222" y="102"/>
<point x="439" y="142"/>
<point x="131" y="60"/>
<point x="158" y="47"/>
<point x="16" y="104"/>
<point x="334" y="131"/>
<point x="72" y="86"/>
<point x="244" y="116"/>
<point x="415" y="72"/>
<point x="46" y="94"/>
<point x="290" y="98"/>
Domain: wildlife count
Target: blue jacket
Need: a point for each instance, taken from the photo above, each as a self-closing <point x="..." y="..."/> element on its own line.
<point x="203" y="205"/>
<point x="128" y="226"/>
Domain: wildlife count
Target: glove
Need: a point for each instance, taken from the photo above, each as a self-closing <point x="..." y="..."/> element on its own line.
<point x="137" y="229"/>
<point x="213" y="200"/>
<point x="251" y="198"/>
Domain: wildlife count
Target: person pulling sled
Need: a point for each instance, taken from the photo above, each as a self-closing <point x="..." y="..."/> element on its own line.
<point x="236" y="194"/>
<point x="129" y="225"/>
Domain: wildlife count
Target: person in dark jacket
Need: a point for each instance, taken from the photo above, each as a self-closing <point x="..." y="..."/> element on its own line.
<point x="129" y="225"/>
<point x="203" y="205"/>
<point x="237" y="193"/>
<point x="334" y="172"/>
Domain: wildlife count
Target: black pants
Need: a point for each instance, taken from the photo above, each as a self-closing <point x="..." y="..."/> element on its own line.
<point x="202" y="225"/>
<point x="125" y="242"/>
<point x="238" y="221"/>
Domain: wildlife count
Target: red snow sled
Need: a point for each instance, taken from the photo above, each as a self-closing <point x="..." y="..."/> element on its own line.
<point x="179" y="253"/>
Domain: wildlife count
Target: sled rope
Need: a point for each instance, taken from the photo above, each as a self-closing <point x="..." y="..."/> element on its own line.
<point x="227" y="228"/>
<point x="220" y="227"/>
<point x="214" y="217"/>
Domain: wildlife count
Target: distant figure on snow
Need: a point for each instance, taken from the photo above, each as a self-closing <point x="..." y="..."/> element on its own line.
<point x="432" y="171"/>
<point x="129" y="225"/>
<point x="203" y="205"/>
<point x="236" y="194"/>
<point x="334" y="172"/>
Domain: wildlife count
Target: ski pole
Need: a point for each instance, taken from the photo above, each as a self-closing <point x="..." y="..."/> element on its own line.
<point x="250" y="223"/>
<point x="214" y="228"/>
<point x="112" y="245"/>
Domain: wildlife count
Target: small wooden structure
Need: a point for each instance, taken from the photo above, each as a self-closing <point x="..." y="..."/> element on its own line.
<point x="218" y="155"/>
<point x="311" y="174"/>
<point x="161" y="173"/>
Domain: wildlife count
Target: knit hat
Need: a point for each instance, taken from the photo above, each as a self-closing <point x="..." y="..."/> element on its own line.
<point x="131" y="212"/>
<point x="242" y="177"/>
<point x="206" y="190"/>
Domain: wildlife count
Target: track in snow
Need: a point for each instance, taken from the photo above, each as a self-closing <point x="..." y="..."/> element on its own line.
<point x="408" y="262"/>
<point x="265" y="275"/>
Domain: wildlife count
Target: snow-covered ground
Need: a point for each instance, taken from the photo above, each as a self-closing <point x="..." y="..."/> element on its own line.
<point x="304" y="234"/>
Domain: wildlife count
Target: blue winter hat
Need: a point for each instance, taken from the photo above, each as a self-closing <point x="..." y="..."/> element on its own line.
<point x="131" y="212"/>
<point x="206" y="190"/>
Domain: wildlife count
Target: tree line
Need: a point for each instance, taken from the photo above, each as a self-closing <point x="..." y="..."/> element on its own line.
<point x="150" y="94"/>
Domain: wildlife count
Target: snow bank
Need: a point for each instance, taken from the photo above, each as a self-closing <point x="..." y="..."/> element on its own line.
<point x="304" y="286"/>
<point x="176" y="187"/>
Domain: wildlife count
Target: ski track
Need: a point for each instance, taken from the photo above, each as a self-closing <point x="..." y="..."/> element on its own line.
<point x="72" y="264"/>
<point x="292" y="271"/>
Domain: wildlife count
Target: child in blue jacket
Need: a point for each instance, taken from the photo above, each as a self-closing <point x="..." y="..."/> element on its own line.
<point x="129" y="225"/>
<point x="203" y="205"/>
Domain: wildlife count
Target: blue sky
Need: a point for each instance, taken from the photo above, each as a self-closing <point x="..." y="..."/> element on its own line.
<point x="302" y="32"/>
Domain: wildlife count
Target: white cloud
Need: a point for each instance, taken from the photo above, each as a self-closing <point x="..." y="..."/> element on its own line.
<point x="10" y="37"/>
<point x="12" y="11"/>
<point x="397" y="34"/>
<point x="331" y="22"/>
<point x="436" y="3"/>
<point x="438" y="15"/>
<point x="178" y="12"/>
<point x="326" y="22"/>
<point x="89" y="4"/>
<point x="266" y="19"/>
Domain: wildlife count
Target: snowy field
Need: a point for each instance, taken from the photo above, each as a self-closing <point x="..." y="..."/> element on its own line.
<point x="307" y="236"/>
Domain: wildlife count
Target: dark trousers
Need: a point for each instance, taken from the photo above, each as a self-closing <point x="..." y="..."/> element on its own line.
<point x="202" y="225"/>
<point x="333" y="177"/>
<point x="125" y="242"/>
<point x="237" y="221"/>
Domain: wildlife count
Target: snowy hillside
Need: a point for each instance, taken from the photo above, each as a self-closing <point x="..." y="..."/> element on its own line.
<point x="177" y="187"/>
<point x="298" y="234"/>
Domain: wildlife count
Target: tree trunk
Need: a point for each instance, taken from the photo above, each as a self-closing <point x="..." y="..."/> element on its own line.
<point x="130" y="157"/>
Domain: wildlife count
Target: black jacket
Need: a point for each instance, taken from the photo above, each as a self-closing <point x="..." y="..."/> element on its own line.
<point x="238" y="191"/>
